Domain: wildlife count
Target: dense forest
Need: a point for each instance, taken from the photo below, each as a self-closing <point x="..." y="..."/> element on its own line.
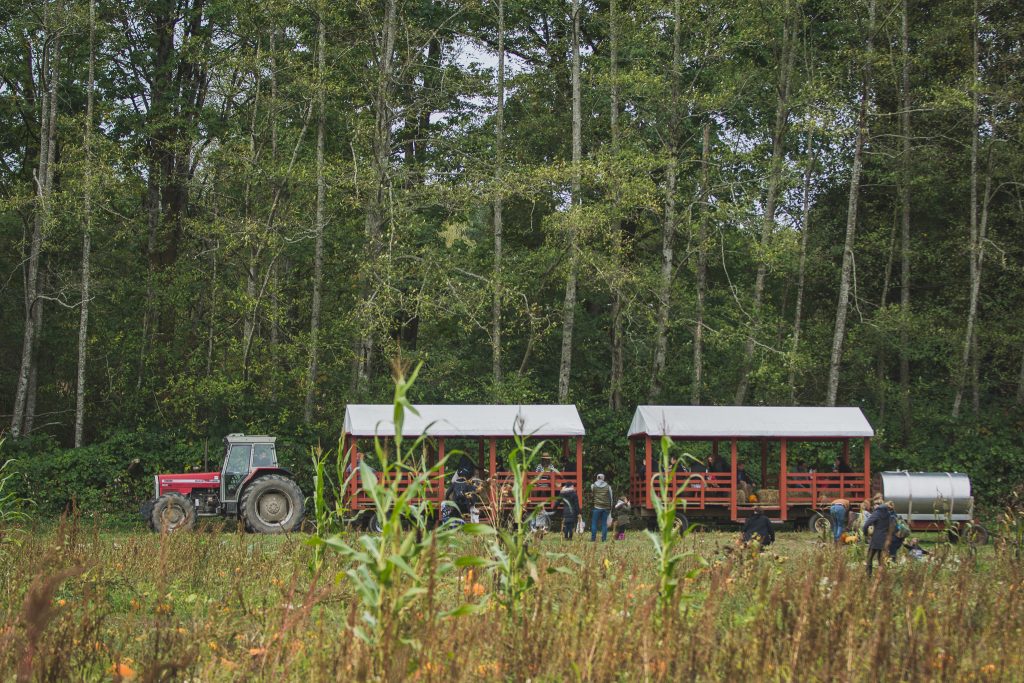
<point x="222" y="216"/>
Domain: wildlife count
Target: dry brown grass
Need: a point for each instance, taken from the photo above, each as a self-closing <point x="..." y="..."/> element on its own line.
<point x="221" y="606"/>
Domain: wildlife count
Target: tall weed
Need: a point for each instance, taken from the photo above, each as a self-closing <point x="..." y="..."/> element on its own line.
<point x="667" y="538"/>
<point x="391" y="571"/>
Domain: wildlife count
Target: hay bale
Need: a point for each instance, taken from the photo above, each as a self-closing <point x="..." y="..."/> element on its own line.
<point x="768" y="496"/>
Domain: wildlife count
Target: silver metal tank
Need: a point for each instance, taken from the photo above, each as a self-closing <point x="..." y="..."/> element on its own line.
<point x="929" y="496"/>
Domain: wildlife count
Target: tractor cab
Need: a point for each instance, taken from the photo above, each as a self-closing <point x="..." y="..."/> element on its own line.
<point x="244" y="456"/>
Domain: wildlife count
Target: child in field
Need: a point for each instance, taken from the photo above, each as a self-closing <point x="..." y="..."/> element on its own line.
<point x="913" y="547"/>
<point x="620" y="518"/>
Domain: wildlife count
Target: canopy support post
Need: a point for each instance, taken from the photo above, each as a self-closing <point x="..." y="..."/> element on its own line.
<point x="783" y="504"/>
<point x="867" y="467"/>
<point x="649" y="477"/>
<point x="353" y="485"/>
<point x="440" y="472"/>
<point x="732" y="483"/>
<point x="579" y="464"/>
<point x="494" y="458"/>
<point x="480" y="454"/>
<point x="632" y="471"/>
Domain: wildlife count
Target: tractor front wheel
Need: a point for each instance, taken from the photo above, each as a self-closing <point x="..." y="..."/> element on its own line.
<point x="172" y="512"/>
<point x="272" y="505"/>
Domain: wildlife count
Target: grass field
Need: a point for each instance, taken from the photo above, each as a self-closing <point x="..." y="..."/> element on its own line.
<point x="81" y="603"/>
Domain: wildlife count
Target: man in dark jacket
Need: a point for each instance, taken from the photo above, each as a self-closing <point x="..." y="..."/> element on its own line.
<point x="569" y="502"/>
<point x="880" y="520"/>
<point x="759" y="528"/>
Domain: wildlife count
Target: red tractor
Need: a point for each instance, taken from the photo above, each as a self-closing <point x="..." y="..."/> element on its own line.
<point x="249" y="486"/>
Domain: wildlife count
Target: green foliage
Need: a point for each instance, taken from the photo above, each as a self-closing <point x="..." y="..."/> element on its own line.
<point x="12" y="506"/>
<point x="203" y="206"/>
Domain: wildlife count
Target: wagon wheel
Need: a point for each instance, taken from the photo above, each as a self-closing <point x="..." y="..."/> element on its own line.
<point x="975" y="534"/>
<point x="821" y="524"/>
<point x="681" y="523"/>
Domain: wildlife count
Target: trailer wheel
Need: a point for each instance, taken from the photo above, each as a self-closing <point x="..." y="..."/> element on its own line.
<point x="975" y="534"/>
<point x="820" y="524"/>
<point x="682" y="523"/>
<point x="172" y="512"/>
<point x="272" y="505"/>
<point x="147" y="512"/>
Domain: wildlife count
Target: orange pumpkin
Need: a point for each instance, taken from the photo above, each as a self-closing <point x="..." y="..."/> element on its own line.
<point x="752" y="499"/>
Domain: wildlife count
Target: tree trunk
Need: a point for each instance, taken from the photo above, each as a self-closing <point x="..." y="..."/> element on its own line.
<point x="213" y="310"/>
<point x="668" y="234"/>
<point x="668" y="230"/>
<point x="618" y="364"/>
<point x="318" y="228"/>
<point x="153" y="224"/>
<point x="974" y="243"/>
<point x="882" y="360"/>
<point x="702" y="267"/>
<point x="33" y="375"/>
<point x="805" y="226"/>
<point x="569" y="303"/>
<point x="49" y="75"/>
<point x="375" y="204"/>
<point x="83" y="313"/>
<point x="906" y="417"/>
<point x="771" y="198"/>
<point x="1020" y="383"/>
<point x="839" y="332"/>
<point x="499" y="140"/>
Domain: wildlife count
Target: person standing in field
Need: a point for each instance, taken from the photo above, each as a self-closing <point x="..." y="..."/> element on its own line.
<point x="569" y="501"/>
<point x="879" y="522"/>
<point x="839" y="510"/>
<point x="603" y="499"/>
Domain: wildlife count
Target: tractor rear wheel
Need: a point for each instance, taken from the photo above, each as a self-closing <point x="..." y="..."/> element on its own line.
<point x="172" y="512"/>
<point x="272" y="505"/>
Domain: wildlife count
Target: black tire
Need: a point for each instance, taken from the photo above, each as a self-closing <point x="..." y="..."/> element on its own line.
<point x="172" y="512"/>
<point x="820" y="524"/>
<point x="147" y="512"/>
<point x="272" y="505"/>
<point x="976" y="534"/>
<point x="682" y="523"/>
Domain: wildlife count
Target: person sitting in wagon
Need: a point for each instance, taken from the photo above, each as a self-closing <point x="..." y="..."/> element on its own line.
<point x="545" y="464"/>
<point x="744" y="482"/>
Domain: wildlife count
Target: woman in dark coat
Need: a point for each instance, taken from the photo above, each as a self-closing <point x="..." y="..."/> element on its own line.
<point x="569" y="502"/>
<point x="880" y="519"/>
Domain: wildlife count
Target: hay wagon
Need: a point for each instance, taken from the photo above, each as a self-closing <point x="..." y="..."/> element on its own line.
<point x="483" y="434"/>
<point x="775" y="438"/>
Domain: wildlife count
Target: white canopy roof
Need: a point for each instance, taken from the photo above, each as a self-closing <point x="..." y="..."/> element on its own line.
<point x="467" y="420"/>
<point x="749" y="422"/>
